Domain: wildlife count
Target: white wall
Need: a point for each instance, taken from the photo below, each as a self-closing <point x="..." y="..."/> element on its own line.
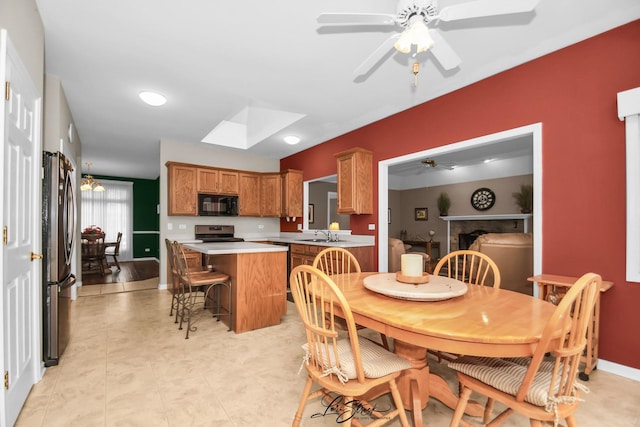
<point x="207" y="155"/>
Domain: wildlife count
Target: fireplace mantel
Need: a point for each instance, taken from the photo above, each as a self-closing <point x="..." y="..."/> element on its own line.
<point x="524" y="217"/>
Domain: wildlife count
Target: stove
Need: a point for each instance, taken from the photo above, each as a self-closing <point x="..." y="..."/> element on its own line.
<point x="216" y="233"/>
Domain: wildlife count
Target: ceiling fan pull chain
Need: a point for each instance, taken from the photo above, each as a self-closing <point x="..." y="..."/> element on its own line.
<point x="416" y="70"/>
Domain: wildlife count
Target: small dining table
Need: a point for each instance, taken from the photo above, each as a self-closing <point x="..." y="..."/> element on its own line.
<point x="484" y="321"/>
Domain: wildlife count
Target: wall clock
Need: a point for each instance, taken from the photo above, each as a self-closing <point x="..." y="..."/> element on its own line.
<point x="483" y="199"/>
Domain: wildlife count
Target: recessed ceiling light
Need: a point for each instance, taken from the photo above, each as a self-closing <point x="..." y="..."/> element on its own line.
<point x="487" y="160"/>
<point x="153" y="98"/>
<point x="291" y="139"/>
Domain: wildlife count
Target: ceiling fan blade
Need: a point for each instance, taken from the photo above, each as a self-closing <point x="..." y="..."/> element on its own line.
<point x="443" y="52"/>
<point x="376" y="55"/>
<point x="480" y="8"/>
<point x="357" y="18"/>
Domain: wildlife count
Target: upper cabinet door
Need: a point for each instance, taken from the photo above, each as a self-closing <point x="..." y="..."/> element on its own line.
<point x="182" y="190"/>
<point x="249" y="194"/>
<point x="292" y="193"/>
<point x="270" y="194"/>
<point x="217" y="181"/>
<point x="355" y="176"/>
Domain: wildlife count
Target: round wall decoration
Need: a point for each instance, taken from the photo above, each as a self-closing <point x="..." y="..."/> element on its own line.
<point x="483" y="199"/>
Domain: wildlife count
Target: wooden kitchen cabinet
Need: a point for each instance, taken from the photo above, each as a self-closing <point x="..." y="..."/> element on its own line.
<point x="217" y="181"/>
<point x="181" y="183"/>
<point x="270" y="194"/>
<point x="291" y="193"/>
<point x="301" y="254"/>
<point x="355" y="176"/>
<point x="194" y="259"/>
<point x="248" y="194"/>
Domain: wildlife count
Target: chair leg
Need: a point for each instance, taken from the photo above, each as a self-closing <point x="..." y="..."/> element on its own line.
<point x="462" y="404"/>
<point x="397" y="399"/>
<point x="488" y="409"/>
<point x="385" y="342"/>
<point x="303" y="402"/>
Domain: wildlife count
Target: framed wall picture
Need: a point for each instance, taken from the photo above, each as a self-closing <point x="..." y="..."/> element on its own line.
<point x="422" y="214"/>
<point x="311" y="213"/>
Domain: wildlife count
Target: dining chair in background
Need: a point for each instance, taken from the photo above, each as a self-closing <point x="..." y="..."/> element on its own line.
<point x="344" y="367"/>
<point x="93" y="253"/>
<point x="194" y="291"/>
<point x="335" y="260"/>
<point x="471" y="267"/>
<point x="542" y="388"/>
<point x="113" y="250"/>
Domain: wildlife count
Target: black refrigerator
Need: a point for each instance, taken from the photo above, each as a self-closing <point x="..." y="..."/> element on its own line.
<point x="58" y="232"/>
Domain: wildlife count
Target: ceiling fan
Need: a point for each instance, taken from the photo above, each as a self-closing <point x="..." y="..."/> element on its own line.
<point x="431" y="163"/>
<point x="416" y="17"/>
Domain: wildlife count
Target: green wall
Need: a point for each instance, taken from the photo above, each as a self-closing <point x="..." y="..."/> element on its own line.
<point x="146" y="221"/>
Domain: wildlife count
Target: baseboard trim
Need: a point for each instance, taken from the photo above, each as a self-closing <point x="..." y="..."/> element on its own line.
<point x="144" y="259"/>
<point x="617" y="369"/>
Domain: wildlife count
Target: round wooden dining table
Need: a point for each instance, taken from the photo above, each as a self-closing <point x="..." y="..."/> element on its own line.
<point x="482" y="322"/>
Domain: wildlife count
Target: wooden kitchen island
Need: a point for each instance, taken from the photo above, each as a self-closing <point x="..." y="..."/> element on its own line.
<point x="258" y="281"/>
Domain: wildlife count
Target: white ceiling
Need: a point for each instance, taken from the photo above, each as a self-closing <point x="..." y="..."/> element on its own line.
<point x="217" y="60"/>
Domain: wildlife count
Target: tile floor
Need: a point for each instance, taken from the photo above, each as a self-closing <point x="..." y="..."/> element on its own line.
<point x="112" y="288"/>
<point x="128" y="365"/>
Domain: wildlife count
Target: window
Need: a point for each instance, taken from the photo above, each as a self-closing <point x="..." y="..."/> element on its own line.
<point x="111" y="210"/>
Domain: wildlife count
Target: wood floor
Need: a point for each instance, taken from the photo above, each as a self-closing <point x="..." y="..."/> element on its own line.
<point x="130" y="271"/>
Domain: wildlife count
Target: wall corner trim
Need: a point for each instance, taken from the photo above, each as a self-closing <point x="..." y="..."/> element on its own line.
<point x="629" y="111"/>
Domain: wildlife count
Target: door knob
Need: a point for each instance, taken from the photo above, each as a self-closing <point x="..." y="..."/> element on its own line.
<point x="35" y="256"/>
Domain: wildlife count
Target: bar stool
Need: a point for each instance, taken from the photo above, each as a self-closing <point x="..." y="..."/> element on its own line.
<point x="194" y="289"/>
<point x="175" y="280"/>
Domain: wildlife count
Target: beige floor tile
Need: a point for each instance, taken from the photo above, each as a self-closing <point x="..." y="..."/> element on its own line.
<point x="141" y="285"/>
<point x="128" y="365"/>
<point x="111" y="288"/>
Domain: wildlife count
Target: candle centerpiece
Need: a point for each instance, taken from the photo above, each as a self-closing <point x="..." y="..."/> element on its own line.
<point x="412" y="269"/>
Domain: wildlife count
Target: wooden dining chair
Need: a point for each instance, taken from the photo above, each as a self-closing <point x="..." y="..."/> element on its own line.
<point x="335" y="260"/>
<point x="194" y="291"/>
<point x="344" y="367"/>
<point x="471" y="267"/>
<point x="542" y="388"/>
<point x="113" y="250"/>
<point x="92" y="253"/>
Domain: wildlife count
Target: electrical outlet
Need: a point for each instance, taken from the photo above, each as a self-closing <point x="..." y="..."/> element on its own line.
<point x="182" y="226"/>
<point x="372" y="226"/>
<point x="169" y="226"/>
<point x="300" y="227"/>
<point x="260" y="226"/>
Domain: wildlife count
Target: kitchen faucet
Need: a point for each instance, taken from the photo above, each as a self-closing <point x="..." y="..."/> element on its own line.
<point x="326" y="233"/>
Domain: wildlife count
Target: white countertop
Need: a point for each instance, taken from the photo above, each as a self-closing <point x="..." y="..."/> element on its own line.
<point x="305" y="241"/>
<point x="223" y="248"/>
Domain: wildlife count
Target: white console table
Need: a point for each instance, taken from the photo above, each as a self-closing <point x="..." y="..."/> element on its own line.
<point x="448" y="219"/>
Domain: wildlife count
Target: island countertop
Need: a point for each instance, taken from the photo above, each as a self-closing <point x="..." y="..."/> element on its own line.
<point x="222" y="248"/>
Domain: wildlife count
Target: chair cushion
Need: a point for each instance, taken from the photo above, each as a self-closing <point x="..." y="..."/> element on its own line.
<point x="507" y="374"/>
<point x="376" y="361"/>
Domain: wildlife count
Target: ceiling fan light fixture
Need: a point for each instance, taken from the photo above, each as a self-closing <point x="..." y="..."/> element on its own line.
<point x="417" y="34"/>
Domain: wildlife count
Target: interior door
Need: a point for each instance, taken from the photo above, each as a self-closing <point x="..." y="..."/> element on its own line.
<point x="20" y="122"/>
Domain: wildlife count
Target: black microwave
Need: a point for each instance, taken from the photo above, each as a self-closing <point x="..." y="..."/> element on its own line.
<point x="217" y="205"/>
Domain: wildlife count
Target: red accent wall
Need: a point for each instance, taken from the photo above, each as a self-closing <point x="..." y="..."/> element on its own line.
<point x="572" y="92"/>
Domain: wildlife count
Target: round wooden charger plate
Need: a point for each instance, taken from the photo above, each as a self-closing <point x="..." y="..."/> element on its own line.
<point x="410" y="279"/>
